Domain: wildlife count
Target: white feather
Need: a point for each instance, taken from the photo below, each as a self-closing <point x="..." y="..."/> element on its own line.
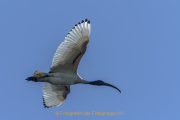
<point x="71" y="47"/>
<point x="50" y="95"/>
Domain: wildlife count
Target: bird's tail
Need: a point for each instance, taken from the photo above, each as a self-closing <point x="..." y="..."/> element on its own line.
<point x="38" y="77"/>
<point x="39" y="74"/>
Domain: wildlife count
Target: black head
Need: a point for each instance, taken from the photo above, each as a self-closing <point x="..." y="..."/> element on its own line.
<point x="100" y="82"/>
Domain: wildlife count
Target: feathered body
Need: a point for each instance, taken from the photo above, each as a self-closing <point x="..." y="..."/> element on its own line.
<point x="60" y="78"/>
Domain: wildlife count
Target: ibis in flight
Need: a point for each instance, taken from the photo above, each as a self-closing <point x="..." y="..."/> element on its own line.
<point x="63" y="72"/>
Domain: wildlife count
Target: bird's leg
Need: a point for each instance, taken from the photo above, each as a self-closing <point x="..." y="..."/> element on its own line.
<point x="37" y="79"/>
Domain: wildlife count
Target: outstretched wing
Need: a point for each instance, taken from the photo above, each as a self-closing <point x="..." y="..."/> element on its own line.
<point x="70" y="52"/>
<point x="54" y="95"/>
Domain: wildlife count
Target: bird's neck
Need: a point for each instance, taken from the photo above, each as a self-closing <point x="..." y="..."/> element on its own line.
<point x="82" y="81"/>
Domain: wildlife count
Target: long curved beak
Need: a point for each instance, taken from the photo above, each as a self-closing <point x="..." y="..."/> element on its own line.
<point x="106" y="84"/>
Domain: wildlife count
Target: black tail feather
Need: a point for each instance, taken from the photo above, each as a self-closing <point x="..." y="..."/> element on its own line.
<point x="32" y="79"/>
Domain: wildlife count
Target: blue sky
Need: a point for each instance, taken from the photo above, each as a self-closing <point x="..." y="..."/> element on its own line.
<point x="134" y="45"/>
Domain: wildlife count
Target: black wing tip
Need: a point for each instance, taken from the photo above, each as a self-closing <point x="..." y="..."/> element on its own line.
<point x="45" y="104"/>
<point x="86" y="20"/>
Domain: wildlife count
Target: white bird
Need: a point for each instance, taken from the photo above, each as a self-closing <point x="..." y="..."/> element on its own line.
<point x="63" y="72"/>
